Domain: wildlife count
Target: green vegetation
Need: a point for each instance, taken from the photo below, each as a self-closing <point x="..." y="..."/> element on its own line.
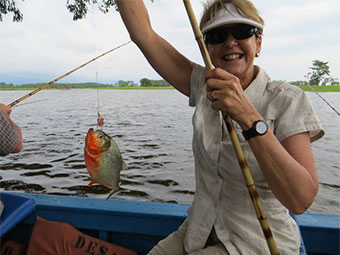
<point x="4" y="86"/>
<point x="117" y="88"/>
<point x="145" y="84"/>
<point x="78" y="8"/>
<point x="143" y="88"/>
<point x="335" y="88"/>
<point x="320" y="74"/>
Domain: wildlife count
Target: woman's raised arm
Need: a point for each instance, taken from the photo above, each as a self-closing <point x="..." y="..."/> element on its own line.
<point x="163" y="57"/>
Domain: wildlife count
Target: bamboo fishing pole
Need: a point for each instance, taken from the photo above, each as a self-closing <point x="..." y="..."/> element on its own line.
<point x="235" y="141"/>
<point x="60" y="77"/>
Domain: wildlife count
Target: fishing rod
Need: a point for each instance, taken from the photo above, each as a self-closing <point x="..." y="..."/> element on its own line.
<point x="66" y="74"/>
<point x="235" y="141"/>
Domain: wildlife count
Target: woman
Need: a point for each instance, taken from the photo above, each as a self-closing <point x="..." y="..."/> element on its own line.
<point x="10" y="133"/>
<point x="274" y="121"/>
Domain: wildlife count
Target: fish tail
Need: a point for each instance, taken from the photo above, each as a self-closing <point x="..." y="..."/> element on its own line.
<point x="116" y="191"/>
<point x="113" y="191"/>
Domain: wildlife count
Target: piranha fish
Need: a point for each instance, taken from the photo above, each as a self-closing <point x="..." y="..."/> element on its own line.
<point x="103" y="160"/>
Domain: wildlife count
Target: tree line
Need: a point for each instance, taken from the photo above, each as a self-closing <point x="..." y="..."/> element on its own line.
<point x="319" y="75"/>
<point x="145" y="82"/>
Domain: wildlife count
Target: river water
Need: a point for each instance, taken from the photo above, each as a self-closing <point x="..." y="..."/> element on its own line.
<point x="153" y="130"/>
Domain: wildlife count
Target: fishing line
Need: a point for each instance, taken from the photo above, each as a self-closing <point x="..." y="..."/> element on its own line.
<point x="64" y="75"/>
<point x="100" y="117"/>
<point x="33" y="102"/>
<point x="336" y="111"/>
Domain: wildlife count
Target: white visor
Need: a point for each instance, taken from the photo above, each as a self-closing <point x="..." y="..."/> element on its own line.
<point x="230" y="16"/>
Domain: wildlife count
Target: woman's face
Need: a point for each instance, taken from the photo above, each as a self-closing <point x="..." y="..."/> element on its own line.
<point x="236" y="56"/>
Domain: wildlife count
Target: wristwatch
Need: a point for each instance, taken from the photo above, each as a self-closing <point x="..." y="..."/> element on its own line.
<point x="259" y="127"/>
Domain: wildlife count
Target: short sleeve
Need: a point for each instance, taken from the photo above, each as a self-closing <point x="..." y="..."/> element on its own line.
<point x="298" y="116"/>
<point x="196" y="82"/>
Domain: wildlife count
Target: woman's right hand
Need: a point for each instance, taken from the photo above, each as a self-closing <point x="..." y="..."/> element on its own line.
<point x="226" y="94"/>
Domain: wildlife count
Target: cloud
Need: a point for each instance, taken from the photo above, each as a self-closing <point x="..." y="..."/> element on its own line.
<point x="290" y="16"/>
<point x="296" y="33"/>
<point x="48" y="43"/>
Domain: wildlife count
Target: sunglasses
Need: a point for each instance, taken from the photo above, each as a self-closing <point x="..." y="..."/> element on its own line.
<point x="239" y="32"/>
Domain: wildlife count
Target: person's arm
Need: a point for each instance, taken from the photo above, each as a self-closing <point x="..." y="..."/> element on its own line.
<point x="163" y="57"/>
<point x="288" y="167"/>
<point x="12" y="136"/>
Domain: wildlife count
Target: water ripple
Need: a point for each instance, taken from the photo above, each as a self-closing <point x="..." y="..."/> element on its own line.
<point x="166" y="183"/>
<point x="153" y="130"/>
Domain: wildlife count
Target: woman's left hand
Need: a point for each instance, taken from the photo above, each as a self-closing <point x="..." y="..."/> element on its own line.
<point x="226" y="94"/>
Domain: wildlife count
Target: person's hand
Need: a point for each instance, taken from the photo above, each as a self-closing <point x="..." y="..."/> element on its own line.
<point x="226" y="94"/>
<point x="7" y="111"/>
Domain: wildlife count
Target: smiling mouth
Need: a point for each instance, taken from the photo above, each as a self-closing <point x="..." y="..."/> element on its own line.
<point x="232" y="56"/>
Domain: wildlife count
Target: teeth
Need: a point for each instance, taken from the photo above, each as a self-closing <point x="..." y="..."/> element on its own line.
<point x="232" y="56"/>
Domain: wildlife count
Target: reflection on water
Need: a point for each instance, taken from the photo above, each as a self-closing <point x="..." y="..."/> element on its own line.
<point x="153" y="131"/>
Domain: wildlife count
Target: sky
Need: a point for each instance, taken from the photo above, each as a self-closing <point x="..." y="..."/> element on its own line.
<point x="48" y="43"/>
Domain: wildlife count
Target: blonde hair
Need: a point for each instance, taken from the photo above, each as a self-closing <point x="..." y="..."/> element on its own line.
<point x="243" y="6"/>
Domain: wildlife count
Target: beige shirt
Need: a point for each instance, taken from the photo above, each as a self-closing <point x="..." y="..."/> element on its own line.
<point x="221" y="198"/>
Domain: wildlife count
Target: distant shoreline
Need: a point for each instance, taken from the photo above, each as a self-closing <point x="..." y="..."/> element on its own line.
<point x="117" y="88"/>
<point x="333" y="88"/>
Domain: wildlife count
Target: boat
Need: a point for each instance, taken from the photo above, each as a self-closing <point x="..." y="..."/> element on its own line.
<point x="139" y="225"/>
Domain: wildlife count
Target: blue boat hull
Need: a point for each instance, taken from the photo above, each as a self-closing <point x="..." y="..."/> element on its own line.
<point x="140" y="225"/>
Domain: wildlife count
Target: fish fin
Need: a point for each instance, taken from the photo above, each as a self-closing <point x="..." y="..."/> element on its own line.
<point x="91" y="183"/>
<point x="94" y="182"/>
<point x="107" y="186"/>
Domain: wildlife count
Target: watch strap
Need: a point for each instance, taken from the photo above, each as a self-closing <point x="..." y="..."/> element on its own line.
<point x="252" y="132"/>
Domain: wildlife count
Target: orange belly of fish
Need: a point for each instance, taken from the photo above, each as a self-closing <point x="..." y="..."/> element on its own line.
<point x="92" y="165"/>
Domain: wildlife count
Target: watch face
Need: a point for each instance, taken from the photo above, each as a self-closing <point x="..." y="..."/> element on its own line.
<point x="261" y="127"/>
